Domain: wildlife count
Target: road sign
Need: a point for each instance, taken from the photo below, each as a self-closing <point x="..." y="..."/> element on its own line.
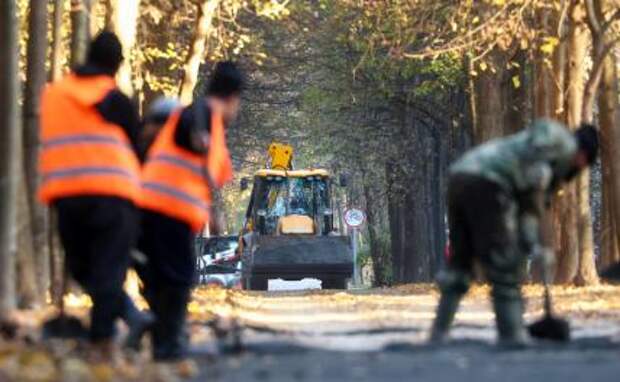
<point x="354" y="217"/>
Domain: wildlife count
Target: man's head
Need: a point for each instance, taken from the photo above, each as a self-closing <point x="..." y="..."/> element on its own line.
<point x="587" y="146"/>
<point x="224" y="89"/>
<point x="106" y="52"/>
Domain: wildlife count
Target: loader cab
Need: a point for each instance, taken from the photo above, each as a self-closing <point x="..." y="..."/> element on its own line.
<point x="291" y="202"/>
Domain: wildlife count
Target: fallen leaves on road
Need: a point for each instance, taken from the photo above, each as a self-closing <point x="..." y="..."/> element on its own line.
<point x="43" y="363"/>
<point x="405" y="306"/>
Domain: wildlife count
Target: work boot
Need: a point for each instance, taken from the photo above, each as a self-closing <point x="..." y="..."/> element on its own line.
<point x="446" y="310"/>
<point x="138" y="323"/>
<point x="510" y="327"/>
<point x="169" y="343"/>
<point x="107" y="307"/>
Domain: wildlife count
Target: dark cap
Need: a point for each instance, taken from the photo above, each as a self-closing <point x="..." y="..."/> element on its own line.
<point x="587" y="141"/>
<point x="106" y="52"/>
<point x="226" y="80"/>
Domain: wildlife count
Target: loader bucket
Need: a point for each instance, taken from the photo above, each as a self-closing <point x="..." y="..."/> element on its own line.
<point x="293" y="257"/>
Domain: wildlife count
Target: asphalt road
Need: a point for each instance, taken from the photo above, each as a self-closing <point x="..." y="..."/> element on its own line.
<point x="598" y="361"/>
<point x="380" y="335"/>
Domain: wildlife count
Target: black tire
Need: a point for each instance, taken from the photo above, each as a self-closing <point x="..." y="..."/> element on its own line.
<point x="334" y="283"/>
<point x="257" y="283"/>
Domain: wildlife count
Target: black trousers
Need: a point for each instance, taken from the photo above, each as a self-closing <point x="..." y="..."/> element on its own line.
<point x="168" y="246"/>
<point x="97" y="234"/>
<point x="168" y="277"/>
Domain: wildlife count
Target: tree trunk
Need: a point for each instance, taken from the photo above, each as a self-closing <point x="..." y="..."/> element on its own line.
<point x="418" y="243"/>
<point x="489" y="121"/>
<point x="123" y="18"/>
<point x="397" y="224"/>
<point x="398" y="190"/>
<point x="206" y="11"/>
<point x="543" y="107"/>
<point x="609" y="244"/>
<point x="35" y="80"/>
<point x="564" y="240"/>
<point x="28" y="295"/>
<point x="610" y="158"/>
<point x="543" y="76"/>
<point x="577" y="49"/>
<point x="568" y="262"/>
<point x="57" y="53"/>
<point x="109" y="14"/>
<point x="515" y="86"/>
<point x="472" y="96"/>
<point x="577" y="265"/>
<point x="80" y="30"/>
<point x="586" y="272"/>
<point x="55" y="256"/>
<point x="219" y="205"/>
<point x="376" y="251"/>
<point x="437" y="184"/>
<point x="9" y="142"/>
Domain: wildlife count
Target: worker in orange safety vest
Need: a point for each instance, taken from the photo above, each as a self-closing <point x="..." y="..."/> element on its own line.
<point x="91" y="175"/>
<point x="188" y="158"/>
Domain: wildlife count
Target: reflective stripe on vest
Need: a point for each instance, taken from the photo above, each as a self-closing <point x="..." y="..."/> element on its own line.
<point x="175" y="193"/>
<point x="81" y="153"/>
<point x="83" y="139"/>
<point x="88" y="171"/>
<point x="173" y="178"/>
<point x="180" y="162"/>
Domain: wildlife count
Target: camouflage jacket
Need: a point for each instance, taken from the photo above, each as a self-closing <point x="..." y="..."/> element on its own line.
<point x="524" y="162"/>
<point x="527" y="165"/>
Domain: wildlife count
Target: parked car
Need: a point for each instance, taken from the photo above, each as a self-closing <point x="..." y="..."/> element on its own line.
<point x="218" y="262"/>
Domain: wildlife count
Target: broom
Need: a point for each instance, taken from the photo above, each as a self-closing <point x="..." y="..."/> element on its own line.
<point x="549" y="327"/>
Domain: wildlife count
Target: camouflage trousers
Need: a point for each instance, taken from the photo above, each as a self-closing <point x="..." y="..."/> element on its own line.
<point x="484" y="229"/>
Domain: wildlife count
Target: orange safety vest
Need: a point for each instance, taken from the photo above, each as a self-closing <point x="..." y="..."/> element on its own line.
<point x="81" y="152"/>
<point x="173" y="178"/>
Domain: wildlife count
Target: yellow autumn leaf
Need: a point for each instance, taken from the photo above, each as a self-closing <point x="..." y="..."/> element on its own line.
<point x="549" y="45"/>
<point x="516" y="82"/>
<point x="483" y="66"/>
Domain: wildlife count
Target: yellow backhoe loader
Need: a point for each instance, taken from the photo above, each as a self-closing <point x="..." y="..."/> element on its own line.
<point x="289" y="231"/>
